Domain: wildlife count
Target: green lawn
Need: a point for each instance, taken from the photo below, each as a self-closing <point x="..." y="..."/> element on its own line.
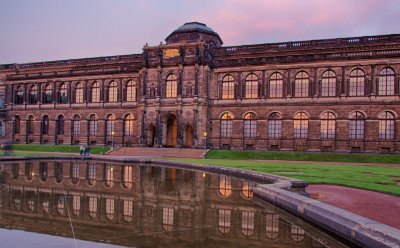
<point x="31" y="154"/>
<point x="370" y="177"/>
<point x="58" y="148"/>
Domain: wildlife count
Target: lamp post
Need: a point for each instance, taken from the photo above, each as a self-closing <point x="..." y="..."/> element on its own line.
<point x="112" y="139"/>
<point x="205" y="141"/>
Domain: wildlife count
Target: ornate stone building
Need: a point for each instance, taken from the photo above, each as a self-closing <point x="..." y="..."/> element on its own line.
<point x="318" y="95"/>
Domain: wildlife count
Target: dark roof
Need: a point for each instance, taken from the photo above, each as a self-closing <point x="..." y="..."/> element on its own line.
<point x="195" y="27"/>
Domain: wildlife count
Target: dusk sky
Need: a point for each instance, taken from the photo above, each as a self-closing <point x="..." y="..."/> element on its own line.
<point x="44" y="30"/>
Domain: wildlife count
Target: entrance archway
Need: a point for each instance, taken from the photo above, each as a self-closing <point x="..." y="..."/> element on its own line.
<point x="172" y="130"/>
<point x="150" y="136"/>
<point x="188" y="136"/>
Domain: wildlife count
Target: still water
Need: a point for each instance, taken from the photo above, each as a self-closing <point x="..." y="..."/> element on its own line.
<point x="97" y="204"/>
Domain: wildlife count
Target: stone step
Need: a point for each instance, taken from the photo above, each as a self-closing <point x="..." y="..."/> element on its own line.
<point x="159" y="152"/>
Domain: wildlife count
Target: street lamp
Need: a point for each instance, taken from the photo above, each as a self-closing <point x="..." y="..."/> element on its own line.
<point x="205" y="140"/>
<point x="112" y="139"/>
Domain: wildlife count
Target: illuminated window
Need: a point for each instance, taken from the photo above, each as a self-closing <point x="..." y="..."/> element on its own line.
<point x="127" y="176"/>
<point x="328" y="125"/>
<point x="296" y="233"/>
<point x="31" y="124"/>
<point x="110" y="208"/>
<point x="225" y="186"/>
<point x="96" y="92"/>
<point x="274" y="125"/>
<point x="224" y="220"/>
<point x="128" y="210"/>
<point x="247" y="223"/>
<point x="60" y="125"/>
<point x="113" y="92"/>
<point x="247" y="189"/>
<point x="129" y="125"/>
<point x="93" y="207"/>
<point x="276" y="85"/>
<point x="48" y="94"/>
<point x="108" y="175"/>
<point x="328" y="84"/>
<point x="91" y="174"/>
<point x="76" y="205"/>
<point x="272" y="226"/>
<point x="356" y="87"/>
<point x="79" y="93"/>
<point x="45" y="125"/>
<point x="92" y="125"/>
<point x="228" y="87"/>
<point x="171" y="86"/>
<point x="33" y="95"/>
<point x="250" y="125"/>
<point x="301" y="84"/>
<point x="63" y="93"/>
<point x="386" y="126"/>
<point x="386" y="82"/>
<point x="356" y="126"/>
<point x="75" y="173"/>
<point x="251" y="86"/>
<point x="300" y="129"/>
<point x="17" y="124"/>
<point x="19" y="95"/>
<point x="76" y="125"/>
<point x="226" y="125"/>
<point x="110" y="123"/>
<point x="168" y="219"/>
<point x="131" y="91"/>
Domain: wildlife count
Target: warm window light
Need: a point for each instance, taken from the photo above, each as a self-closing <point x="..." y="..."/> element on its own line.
<point x="205" y="134"/>
<point x="204" y="175"/>
<point x="112" y="133"/>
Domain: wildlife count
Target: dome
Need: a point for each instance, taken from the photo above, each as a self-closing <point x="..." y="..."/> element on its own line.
<point x="192" y="32"/>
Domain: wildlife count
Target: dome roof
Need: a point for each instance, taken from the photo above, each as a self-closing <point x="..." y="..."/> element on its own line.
<point x="192" y="32"/>
<point x="196" y="26"/>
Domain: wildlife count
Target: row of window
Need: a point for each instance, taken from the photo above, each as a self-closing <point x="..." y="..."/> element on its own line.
<point x="302" y="86"/>
<point x="128" y="123"/>
<point x="386" y="129"/>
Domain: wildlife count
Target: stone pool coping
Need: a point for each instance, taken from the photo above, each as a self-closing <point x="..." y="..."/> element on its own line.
<point x="286" y="193"/>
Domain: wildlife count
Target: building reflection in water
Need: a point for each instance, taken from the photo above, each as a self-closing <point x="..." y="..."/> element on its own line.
<point x="141" y="205"/>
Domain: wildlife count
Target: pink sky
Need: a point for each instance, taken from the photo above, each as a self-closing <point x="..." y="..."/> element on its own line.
<point x="44" y="30"/>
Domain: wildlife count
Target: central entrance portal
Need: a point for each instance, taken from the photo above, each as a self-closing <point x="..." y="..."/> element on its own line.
<point x="172" y="130"/>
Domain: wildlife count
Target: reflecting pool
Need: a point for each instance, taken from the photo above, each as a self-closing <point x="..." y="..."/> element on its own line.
<point x="97" y="204"/>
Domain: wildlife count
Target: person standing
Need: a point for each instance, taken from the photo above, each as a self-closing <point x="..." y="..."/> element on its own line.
<point x="81" y="149"/>
<point x="86" y="151"/>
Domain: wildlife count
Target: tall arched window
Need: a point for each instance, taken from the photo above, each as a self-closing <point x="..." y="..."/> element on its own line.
<point x="247" y="189"/>
<point x="296" y="233"/>
<point x="386" y="82"/>
<point x="79" y="93"/>
<point x="63" y="93"/>
<point x="228" y="87"/>
<point x="356" y="87"/>
<point x="276" y="85"/>
<point x="33" y="95"/>
<point x="110" y="123"/>
<point x="386" y="126"/>
<point x="274" y="125"/>
<point x="131" y="91"/>
<point x="110" y="208"/>
<point x="328" y="83"/>
<point x="328" y="125"/>
<point x="247" y="223"/>
<point x="300" y="129"/>
<point x="109" y="175"/>
<point x="31" y="124"/>
<point x="224" y="220"/>
<point x="92" y="125"/>
<point x="60" y="125"/>
<point x="251" y="86"/>
<point x="113" y="92"/>
<point x="75" y="173"/>
<point x="96" y="92"/>
<point x="91" y="174"/>
<point x="301" y="84"/>
<point x="356" y="126"/>
<point x="45" y="125"/>
<point x="250" y="125"/>
<point x="76" y="125"/>
<point x="76" y="204"/>
<point x="127" y="176"/>
<point x="17" y="124"/>
<point x="47" y="94"/>
<point x="272" y="225"/>
<point x="168" y="219"/>
<point x="226" y="125"/>
<point x="171" y="88"/>
<point x="19" y="95"/>
<point x="128" y="210"/>
<point x="128" y="127"/>
<point x="225" y="185"/>
<point x="93" y="207"/>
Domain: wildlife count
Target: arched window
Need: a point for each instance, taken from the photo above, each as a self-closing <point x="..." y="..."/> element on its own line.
<point x="226" y="125"/>
<point x="109" y="175"/>
<point x="247" y="223"/>
<point x="47" y="94"/>
<point x="225" y="186"/>
<point x="76" y="204"/>
<point x="250" y="125"/>
<point x="131" y="91"/>
<point x="63" y="93"/>
<point x="92" y="125"/>
<point x="33" y="95"/>
<point x="328" y="83"/>
<point x="76" y="125"/>
<point x="113" y="92"/>
<point x="386" y="82"/>
<point x="19" y="95"/>
<point x="356" y="87"/>
<point x="224" y="220"/>
<point x="386" y="126"/>
<point x="17" y="124"/>
<point x="28" y="171"/>
<point x="168" y="219"/>
<point x="128" y="127"/>
<point x="171" y="88"/>
<point x="110" y="208"/>
<point x="58" y="172"/>
<point x="251" y="86"/>
<point x="356" y="126"/>
<point x="128" y="210"/>
<point x="247" y="189"/>
<point x="79" y="93"/>
<point x="60" y="125"/>
<point x="296" y="233"/>
<point x="91" y="174"/>
<point x="301" y="84"/>
<point x="127" y="176"/>
<point x="96" y="92"/>
<point x="45" y="125"/>
<point x="300" y="129"/>
<point x="31" y="124"/>
<point x="43" y="171"/>
<point x="228" y="87"/>
<point x="328" y="125"/>
<point x="110" y="123"/>
<point x="276" y="85"/>
<point x="93" y="207"/>
<point x="74" y="173"/>
<point x="274" y="125"/>
<point x="61" y="206"/>
<point x="272" y="225"/>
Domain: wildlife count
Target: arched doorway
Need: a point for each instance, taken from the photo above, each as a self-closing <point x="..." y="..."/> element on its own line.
<point x="172" y="130"/>
<point x="188" y="136"/>
<point x="151" y="132"/>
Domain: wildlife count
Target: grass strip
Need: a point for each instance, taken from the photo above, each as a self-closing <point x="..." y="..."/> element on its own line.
<point x="58" y="148"/>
